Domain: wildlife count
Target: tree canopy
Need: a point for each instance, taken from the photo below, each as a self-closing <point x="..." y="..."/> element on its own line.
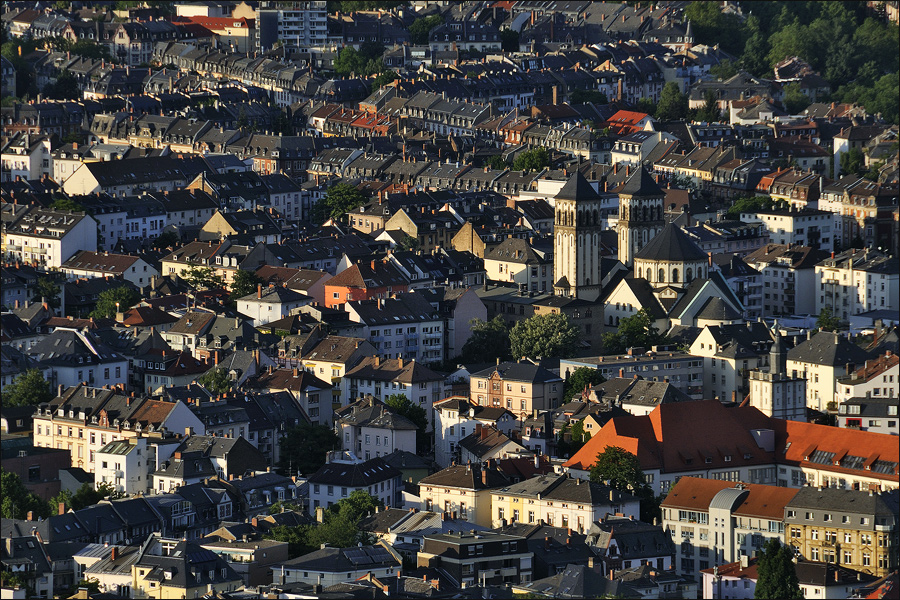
<point x="777" y="577"/>
<point x="340" y="199"/>
<point x="749" y="205"/>
<point x="16" y="501"/>
<point x="365" y="61"/>
<point x="243" y="284"/>
<point x="827" y="320"/>
<point x="622" y="470"/>
<point x="46" y="288"/>
<point x="635" y="331"/>
<point x="578" y="379"/>
<point x="203" y="278"/>
<point x="587" y="97"/>
<point x="549" y="335"/>
<point x="216" y="381"/>
<point x="509" y="40"/>
<point x="405" y="407"/>
<point x="421" y="27"/>
<point x="303" y="448"/>
<point x="27" y="389"/>
<point x="532" y="160"/>
<point x="114" y="300"/>
<point x="673" y="104"/>
<point x="489" y="340"/>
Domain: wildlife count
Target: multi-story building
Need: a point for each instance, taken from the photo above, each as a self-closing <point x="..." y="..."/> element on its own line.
<point x="84" y="419"/>
<point x="457" y="417"/>
<point x="303" y="24"/>
<point x="855" y="529"/>
<point x="464" y="490"/>
<point x="519" y="387"/>
<point x="517" y="261"/>
<point x="877" y="379"/>
<point x="821" y="359"/>
<point x="45" y="236"/>
<point x="73" y="357"/>
<point x="344" y="474"/>
<point x="560" y="501"/>
<point x="857" y="280"/>
<point x="479" y="558"/>
<point x="369" y="428"/>
<point x="680" y="369"/>
<point x="715" y="522"/>
<point x="729" y="353"/>
<point x="404" y="326"/>
<point x="807" y="227"/>
<point x="329" y="566"/>
<point x="777" y="393"/>
<point x="785" y="270"/>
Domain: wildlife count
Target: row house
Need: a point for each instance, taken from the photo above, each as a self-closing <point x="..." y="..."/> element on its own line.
<point x="83" y="419"/>
<point x="857" y="281"/>
<point x="869" y="213"/>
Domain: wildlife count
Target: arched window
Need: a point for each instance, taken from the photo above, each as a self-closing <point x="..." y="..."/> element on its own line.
<point x="674" y="275"/>
<point x="649" y="274"/>
<point x="610" y="320"/>
<point x="662" y="275"/>
<point x="688" y="275"/>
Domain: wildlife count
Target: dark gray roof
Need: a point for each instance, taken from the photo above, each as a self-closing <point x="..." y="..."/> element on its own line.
<point x="520" y="371"/>
<point x="361" y="474"/>
<point x="848" y="501"/>
<point x="578" y="188"/>
<point x="468" y="477"/>
<point x="332" y="560"/>
<point x="641" y="183"/>
<point x="715" y="309"/>
<point x="827" y="348"/>
<point x="671" y="244"/>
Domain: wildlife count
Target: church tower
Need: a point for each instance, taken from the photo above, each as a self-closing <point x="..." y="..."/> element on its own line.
<point x="640" y="214"/>
<point x="576" y="240"/>
<point x="777" y="393"/>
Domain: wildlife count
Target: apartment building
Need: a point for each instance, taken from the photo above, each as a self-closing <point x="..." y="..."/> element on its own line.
<point x="479" y="558"/>
<point x="45" y="236"/>
<point x="464" y="490"/>
<point x="821" y="359"/>
<point x="457" y="417"/>
<point x="560" y="501"/>
<point x="855" y="529"/>
<point x="856" y="281"/>
<point x="520" y="387"/>
<point x="680" y="369"/>
<point x="369" y="428"/>
<point x="344" y="473"/>
<point x="715" y="522"/>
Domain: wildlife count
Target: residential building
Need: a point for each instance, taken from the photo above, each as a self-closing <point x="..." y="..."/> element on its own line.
<point x="457" y="417"/>
<point x="380" y="379"/>
<point x="119" y="464"/>
<point x="271" y="303"/>
<point x="364" y="281"/>
<point x="332" y="566"/>
<point x="480" y="558"/>
<point x="805" y="227"/>
<point x="74" y="357"/>
<point x="182" y="570"/>
<point x="486" y="443"/>
<point x="344" y="474"/>
<point x="251" y="559"/>
<point x="623" y="543"/>
<point x="715" y="522"/>
<point x="302" y="24"/>
<point x="369" y="428"/>
<point x="312" y="395"/>
<point x="821" y="359"/>
<point x="855" y="529"/>
<point x="199" y="457"/>
<point x="45" y="236"/>
<point x="520" y="387"/>
<point x="777" y="393"/>
<point x="560" y="501"/>
<point x="26" y="557"/>
<point x="729" y="353"/>
<point x="679" y="369"/>
<point x="517" y="261"/>
<point x="406" y="325"/>
<point x="84" y="419"/>
<point x="857" y="281"/>
<point x="133" y="269"/>
<point x="784" y="270"/>
<point x="464" y="490"/>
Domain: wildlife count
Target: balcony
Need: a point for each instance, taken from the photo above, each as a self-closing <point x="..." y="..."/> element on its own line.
<point x="509" y="572"/>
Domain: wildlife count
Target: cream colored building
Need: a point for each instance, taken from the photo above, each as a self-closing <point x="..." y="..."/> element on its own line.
<point x="560" y="501"/>
<point x="464" y="490"/>
<point x="519" y="387"/>
<point x="821" y="359"/>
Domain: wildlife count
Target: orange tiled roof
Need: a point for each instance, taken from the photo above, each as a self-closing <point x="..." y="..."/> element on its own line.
<point x="152" y="411"/>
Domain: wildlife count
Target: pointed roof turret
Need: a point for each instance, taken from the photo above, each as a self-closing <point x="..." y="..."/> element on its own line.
<point x="578" y="188"/>
<point x="641" y="183"/>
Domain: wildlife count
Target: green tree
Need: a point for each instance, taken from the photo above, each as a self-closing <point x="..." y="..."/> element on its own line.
<point x="749" y="205"/>
<point x="341" y="526"/>
<point x="724" y="70"/>
<point x="66" y="204"/>
<point x="65" y="87"/>
<point x="673" y="105"/>
<point x="405" y="407"/>
<point x="646" y="105"/>
<point x="114" y="300"/>
<point x="827" y="320"/>
<point x="340" y="199"/>
<point x="282" y="506"/>
<point x="421" y="27"/>
<point x="623" y="471"/>
<point x="548" y="336"/>
<point x="587" y="97"/>
<point x="578" y="379"/>
<point x="384" y="78"/>
<point x="712" y="26"/>
<point x="509" y="40"/>
<point x="27" y="389"/>
<point x="199" y="277"/>
<point x="297" y="539"/>
<point x="348" y="62"/>
<point x="303" y="448"/>
<point x="16" y="501"/>
<point x="244" y="284"/>
<point x="852" y="161"/>
<point x="409" y="243"/>
<point x="709" y="112"/>
<point x="777" y="576"/>
<point x="489" y="340"/>
<point x="497" y="163"/>
<point x="92" y="585"/>
<point x="83" y="497"/>
<point x="167" y="239"/>
<point x="636" y="331"/>
<point x="795" y="99"/>
<point x="47" y="289"/>
<point x="532" y="160"/>
<point x="756" y="49"/>
<point x="793" y="40"/>
<point x="216" y="381"/>
<point x="874" y="171"/>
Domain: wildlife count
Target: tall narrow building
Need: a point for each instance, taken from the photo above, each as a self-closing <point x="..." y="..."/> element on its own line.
<point x="640" y="214"/>
<point x="576" y="240"/>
